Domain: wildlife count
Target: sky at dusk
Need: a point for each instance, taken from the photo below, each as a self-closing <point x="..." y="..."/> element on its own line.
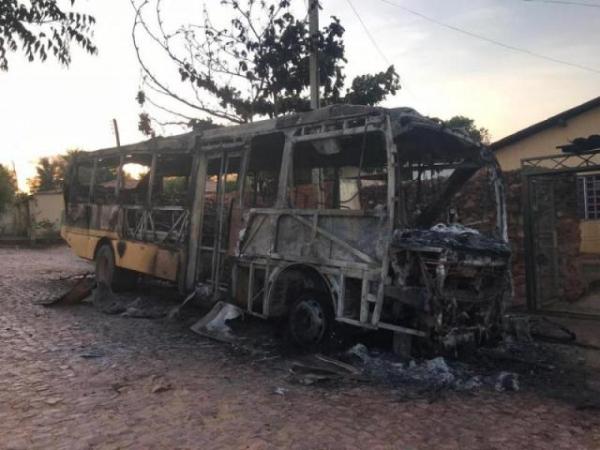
<point x="46" y="109"/>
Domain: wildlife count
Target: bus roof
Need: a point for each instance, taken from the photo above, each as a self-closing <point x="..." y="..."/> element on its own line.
<point x="404" y="120"/>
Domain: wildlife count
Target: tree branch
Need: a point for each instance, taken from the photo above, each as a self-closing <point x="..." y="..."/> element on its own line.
<point x="139" y="21"/>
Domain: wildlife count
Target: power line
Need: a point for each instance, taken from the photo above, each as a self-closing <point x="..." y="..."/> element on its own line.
<point x="565" y="2"/>
<point x="377" y="47"/>
<point x="371" y="38"/>
<point x="490" y="40"/>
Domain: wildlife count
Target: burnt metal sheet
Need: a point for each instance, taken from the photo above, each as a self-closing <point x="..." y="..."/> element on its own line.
<point x="461" y="241"/>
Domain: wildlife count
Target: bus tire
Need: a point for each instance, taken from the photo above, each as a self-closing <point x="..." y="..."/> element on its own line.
<point x="109" y="274"/>
<point x="310" y="320"/>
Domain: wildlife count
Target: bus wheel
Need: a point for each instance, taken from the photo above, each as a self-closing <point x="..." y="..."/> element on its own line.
<point x="109" y="274"/>
<point x="310" y="320"/>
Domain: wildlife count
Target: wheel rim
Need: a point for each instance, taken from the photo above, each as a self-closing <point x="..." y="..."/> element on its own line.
<point x="309" y="322"/>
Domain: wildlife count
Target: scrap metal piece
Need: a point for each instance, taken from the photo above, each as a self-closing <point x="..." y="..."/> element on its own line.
<point x="213" y="324"/>
<point x="548" y="330"/>
<point x="318" y="368"/>
<point x="342" y="365"/>
<point x="201" y="291"/>
<point x="76" y="294"/>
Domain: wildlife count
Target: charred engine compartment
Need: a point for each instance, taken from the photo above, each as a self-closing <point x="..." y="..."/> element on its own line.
<point x="451" y="281"/>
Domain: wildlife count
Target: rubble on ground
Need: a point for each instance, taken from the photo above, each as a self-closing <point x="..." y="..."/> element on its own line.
<point x="426" y="374"/>
<point x="507" y="381"/>
<point x="142" y="308"/>
<point x="519" y="362"/>
<point x="128" y="305"/>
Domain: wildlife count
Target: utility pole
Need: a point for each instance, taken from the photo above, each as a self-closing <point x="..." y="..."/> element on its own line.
<point x="15" y="173"/>
<point x="116" y="128"/>
<point x="313" y="14"/>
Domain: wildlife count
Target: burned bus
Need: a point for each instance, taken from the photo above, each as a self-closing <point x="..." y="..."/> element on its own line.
<point x="372" y="217"/>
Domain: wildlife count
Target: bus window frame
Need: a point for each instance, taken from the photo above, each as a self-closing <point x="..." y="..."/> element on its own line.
<point x="191" y="179"/>
<point x="281" y="177"/>
<point x="121" y="179"/>
<point x="388" y="147"/>
<point x="93" y="198"/>
<point x="73" y="178"/>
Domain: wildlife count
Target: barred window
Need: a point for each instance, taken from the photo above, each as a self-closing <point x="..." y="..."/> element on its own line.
<point x="588" y="193"/>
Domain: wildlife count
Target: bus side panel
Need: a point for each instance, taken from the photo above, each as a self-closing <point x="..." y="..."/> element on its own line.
<point x="81" y="242"/>
<point x="148" y="258"/>
<point x="325" y="238"/>
<point x="140" y="257"/>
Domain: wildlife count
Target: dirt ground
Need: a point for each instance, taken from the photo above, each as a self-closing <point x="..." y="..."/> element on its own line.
<point x="75" y="378"/>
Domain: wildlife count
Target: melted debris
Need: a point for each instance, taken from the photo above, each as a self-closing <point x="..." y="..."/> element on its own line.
<point x="420" y="375"/>
<point x="454" y="237"/>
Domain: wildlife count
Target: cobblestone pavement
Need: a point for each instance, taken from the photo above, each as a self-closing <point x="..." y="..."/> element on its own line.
<point x="73" y="378"/>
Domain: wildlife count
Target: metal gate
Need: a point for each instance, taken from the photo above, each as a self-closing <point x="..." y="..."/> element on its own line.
<point x="543" y="250"/>
<point x="544" y="182"/>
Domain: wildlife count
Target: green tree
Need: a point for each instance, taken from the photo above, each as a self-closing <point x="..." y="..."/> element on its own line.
<point x="255" y="66"/>
<point x="63" y="163"/>
<point x="46" y="176"/>
<point x="8" y="187"/>
<point x="468" y="126"/>
<point x="40" y="28"/>
<point x="52" y="171"/>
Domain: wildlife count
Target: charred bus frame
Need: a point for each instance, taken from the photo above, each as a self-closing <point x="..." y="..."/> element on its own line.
<point x="315" y="259"/>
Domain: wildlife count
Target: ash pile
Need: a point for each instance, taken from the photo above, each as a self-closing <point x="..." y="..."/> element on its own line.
<point x="429" y="375"/>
